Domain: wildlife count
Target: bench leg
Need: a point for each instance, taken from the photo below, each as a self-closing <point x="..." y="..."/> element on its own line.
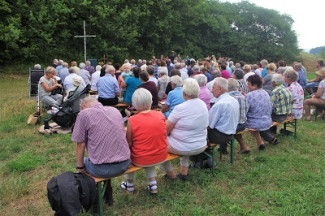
<point x="213" y="159"/>
<point x="103" y="187"/>
<point x="232" y="146"/>
<point x="295" y="126"/>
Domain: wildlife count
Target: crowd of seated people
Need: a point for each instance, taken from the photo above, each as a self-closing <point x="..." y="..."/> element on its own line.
<point x="202" y="101"/>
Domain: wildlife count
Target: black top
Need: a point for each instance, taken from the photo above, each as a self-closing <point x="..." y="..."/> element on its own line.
<point x="151" y="86"/>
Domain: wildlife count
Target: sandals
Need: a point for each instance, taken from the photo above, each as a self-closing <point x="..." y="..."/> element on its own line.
<point x="127" y="187"/>
<point x="152" y="187"/>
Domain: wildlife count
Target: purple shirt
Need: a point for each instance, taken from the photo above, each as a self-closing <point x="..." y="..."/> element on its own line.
<point x="102" y="129"/>
<point x="204" y="95"/>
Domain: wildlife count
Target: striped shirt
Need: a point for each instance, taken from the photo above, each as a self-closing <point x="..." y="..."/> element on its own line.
<point x="102" y="129"/>
<point x="242" y="86"/>
<point x="243" y="105"/>
<point x="281" y="100"/>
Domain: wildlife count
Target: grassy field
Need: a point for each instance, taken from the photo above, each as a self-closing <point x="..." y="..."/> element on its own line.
<point x="287" y="179"/>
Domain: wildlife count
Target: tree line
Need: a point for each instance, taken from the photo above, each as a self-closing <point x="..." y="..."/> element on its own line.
<point x="40" y="30"/>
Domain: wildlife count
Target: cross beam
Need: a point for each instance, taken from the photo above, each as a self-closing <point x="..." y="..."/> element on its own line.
<point x="84" y="36"/>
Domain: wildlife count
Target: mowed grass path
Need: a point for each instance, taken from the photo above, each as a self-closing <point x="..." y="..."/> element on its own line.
<point x="287" y="179"/>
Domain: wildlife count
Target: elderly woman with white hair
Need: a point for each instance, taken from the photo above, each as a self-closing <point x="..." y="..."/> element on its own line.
<point x="281" y="101"/>
<point x="297" y="93"/>
<point x="204" y="93"/>
<point x="162" y="82"/>
<point x="95" y="77"/>
<point x="233" y="91"/>
<point x="84" y="73"/>
<point x="146" y="136"/>
<point x="187" y="126"/>
<point x="175" y="97"/>
<point x="46" y="85"/>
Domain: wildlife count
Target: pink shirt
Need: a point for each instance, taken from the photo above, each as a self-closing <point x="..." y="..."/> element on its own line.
<point x="102" y="129"/>
<point x="204" y="95"/>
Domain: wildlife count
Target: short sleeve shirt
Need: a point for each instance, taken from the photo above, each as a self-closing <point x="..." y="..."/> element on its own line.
<point x="42" y="91"/>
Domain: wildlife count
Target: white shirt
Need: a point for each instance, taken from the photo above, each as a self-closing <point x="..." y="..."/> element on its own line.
<point x="248" y="75"/>
<point x="85" y="75"/>
<point x="184" y="75"/>
<point x="94" y="80"/>
<point x="68" y="82"/>
<point x="209" y="85"/>
<point x="224" y="114"/>
<point x="153" y="79"/>
<point x="191" y="120"/>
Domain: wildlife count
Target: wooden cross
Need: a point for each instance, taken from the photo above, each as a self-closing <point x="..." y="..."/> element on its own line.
<point x="104" y="59"/>
<point x="85" y="43"/>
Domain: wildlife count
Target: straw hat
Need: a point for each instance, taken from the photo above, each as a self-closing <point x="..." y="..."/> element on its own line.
<point x="76" y="81"/>
<point x="321" y="72"/>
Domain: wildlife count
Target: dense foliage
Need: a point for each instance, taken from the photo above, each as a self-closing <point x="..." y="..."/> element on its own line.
<point x="40" y="30"/>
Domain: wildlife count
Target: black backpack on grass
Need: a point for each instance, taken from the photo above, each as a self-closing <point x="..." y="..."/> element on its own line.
<point x="70" y="192"/>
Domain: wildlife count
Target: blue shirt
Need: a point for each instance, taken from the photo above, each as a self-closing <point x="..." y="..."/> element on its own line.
<point x="302" y="78"/>
<point x="208" y="75"/>
<point x="264" y="72"/>
<point x="107" y="87"/>
<point x="174" y="98"/>
<point x="132" y="84"/>
<point x="224" y="114"/>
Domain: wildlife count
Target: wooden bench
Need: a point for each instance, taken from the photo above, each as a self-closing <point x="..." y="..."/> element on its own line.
<point x="105" y="183"/>
<point x="91" y="92"/>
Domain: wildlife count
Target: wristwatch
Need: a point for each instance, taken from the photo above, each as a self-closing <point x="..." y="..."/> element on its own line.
<point x="83" y="167"/>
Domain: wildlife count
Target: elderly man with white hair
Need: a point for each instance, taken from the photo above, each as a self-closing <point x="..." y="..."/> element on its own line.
<point x="68" y="81"/>
<point x="204" y="93"/>
<point x="95" y="77"/>
<point x="187" y="126"/>
<point x="281" y="101"/>
<point x="223" y="115"/>
<point x="60" y="66"/>
<point x="84" y="73"/>
<point x="107" y="86"/>
<point x="64" y="72"/>
<point x="174" y="97"/>
<point x="195" y="70"/>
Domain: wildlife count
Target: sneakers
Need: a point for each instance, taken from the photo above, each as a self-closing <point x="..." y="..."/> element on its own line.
<point x="52" y="111"/>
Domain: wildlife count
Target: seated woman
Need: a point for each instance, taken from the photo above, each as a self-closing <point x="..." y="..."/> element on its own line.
<point x="318" y="99"/>
<point x="204" y="93"/>
<point x="267" y="80"/>
<point x="187" y="126"/>
<point x="174" y="97"/>
<point x="297" y="93"/>
<point x="259" y="112"/>
<point x="150" y="86"/>
<point x="146" y="135"/>
<point x="47" y="84"/>
<point x="162" y="82"/>
<point x="131" y="84"/>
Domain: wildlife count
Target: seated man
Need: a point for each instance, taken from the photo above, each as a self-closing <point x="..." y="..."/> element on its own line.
<point x="68" y="81"/>
<point x="107" y="86"/>
<point x="223" y="115"/>
<point x="101" y="131"/>
<point x="281" y="101"/>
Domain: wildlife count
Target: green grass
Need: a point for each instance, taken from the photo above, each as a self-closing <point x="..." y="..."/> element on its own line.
<point x="287" y="179"/>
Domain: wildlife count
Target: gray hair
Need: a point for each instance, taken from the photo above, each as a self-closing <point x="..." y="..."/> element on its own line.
<point x="142" y="99"/>
<point x="98" y="68"/>
<point x="109" y="68"/>
<point x="177" y="80"/>
<point x="162" y="70"/>
<point x="87" y="62"/>
<point x="37" y="66"/>
<point x="277" y="79"/>
<point x="65" y="64"/>
<point x="82" y="65"/>
<point x="201" y="79"/>
<point x="264" y="62"/>
<point x="196" y="68"/>
<point x="233" y="84"/>
<point x="215" y="73"/>
<point x="72" y="70"/>
<point x="298" y="66"/>
<point x="178" y="66"/>
<point x="239" y="73"/>
<point x="221" y="82"/>
<point x="191" y="88"/>
<point x="281" y="70"/>
<point x="60" y="62"/>
<point x="291" y="74"/>
<point x="87" y="100"/>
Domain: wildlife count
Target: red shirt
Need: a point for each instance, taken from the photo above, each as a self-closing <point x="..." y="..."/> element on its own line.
<point x="149" y="139"/>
